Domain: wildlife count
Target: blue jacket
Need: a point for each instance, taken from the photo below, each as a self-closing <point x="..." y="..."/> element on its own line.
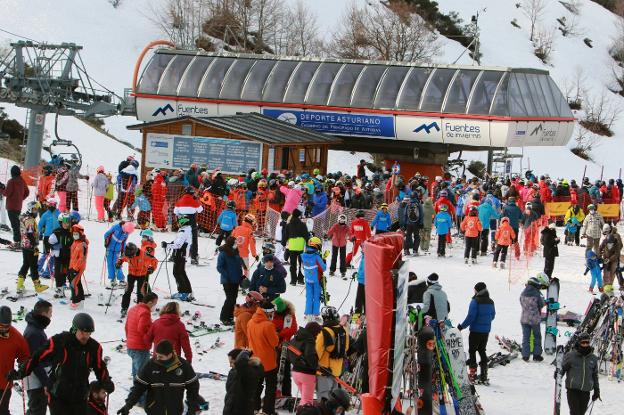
<point x="382" y="221"/>
<point x="481" y="312"/>
<point x="274" y="280"/>
<point x="319" y="203"/>
<point x="443" y="223"/>
<point x="486" y="213"/>
<point x="592" y="261"/>
<point x="115" y="238"/>
<point x="48" y="222"/>
<point x="494" y="201"/>
<point x="513" y="212"/>
<point x="227" y="220"/>
<point x="142" y="203"/>
<point x="230" y="267"/>
<point x="361" y="278"/>
<point x="311" y="260"/>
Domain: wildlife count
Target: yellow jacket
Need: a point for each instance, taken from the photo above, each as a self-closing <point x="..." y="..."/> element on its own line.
<point x="580" y="216"/>
<point x="323" y="352"/>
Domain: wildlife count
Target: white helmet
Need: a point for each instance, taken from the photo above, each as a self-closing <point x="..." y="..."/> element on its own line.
<point x="606" y="228"/>
<point x="342" y="218"/>
<point x="232" y="182"/>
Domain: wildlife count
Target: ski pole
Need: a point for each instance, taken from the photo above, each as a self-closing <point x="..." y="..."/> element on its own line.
<point x="168" y="279"/>
<point x="4" y="393"/>
<point x="591" y="407"/>
<point x="23" y="397"/>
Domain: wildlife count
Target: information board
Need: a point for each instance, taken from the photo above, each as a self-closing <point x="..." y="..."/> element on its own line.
<point x="175" y="151"/>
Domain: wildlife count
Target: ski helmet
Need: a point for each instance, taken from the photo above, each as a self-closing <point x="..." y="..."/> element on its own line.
<point x="83" y="322"/>
<point x="583" y="336"/>
<point x="342" y="218"/>
<point x="183" y="220"/>
<point x="231" y="204"/>
<point x="340" y="397"/>
<point x="268" y="248"/>
<point x="74" y="217"/>
<point x="32" y="208"/>
<point x="315" y="242"/>
<point x="51" y="202"/>
<point x="250" y="218"/>
<point x="131" y="250"/>
<point x="78" y="228"/>
<point x="329" y="313"/>
<point x="64" y="218"/>
<point x="443" y="207"/>
<point x="254" y="297"/>
<point x="232" y="182"/>
<point x="147" y="233"/>
<point x="245" y="283"/>
<point x="384" y="205"/>
<point x="100" y="169"/>
<point x="591" y="207"/>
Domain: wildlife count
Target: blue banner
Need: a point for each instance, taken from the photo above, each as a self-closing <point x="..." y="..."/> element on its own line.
<point x="337" y="123"/>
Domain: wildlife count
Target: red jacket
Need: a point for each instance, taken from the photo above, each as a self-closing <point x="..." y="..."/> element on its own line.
<point x="285" y="324"/>
<point x="360" y="229"/>
<point x="138" y="322"/>
<point x="159" y="189"/>
<point x="15" y="347"/>
<point x="169" y="327"/>
<point x="339" y="234"/>
<point x="444" y="201"/>
<point x="16" y="192"/>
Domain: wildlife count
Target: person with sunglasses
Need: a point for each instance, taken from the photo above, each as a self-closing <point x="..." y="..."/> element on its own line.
<point x="580" y="365"/>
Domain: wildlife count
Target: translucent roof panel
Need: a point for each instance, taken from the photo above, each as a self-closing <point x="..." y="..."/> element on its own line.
<point x="343" y="86"/>
<point x="275" y="86"/>
<point x="564" y="108"/>
<point x="389" y="87"/>
<point x="436" y="89"/>
<point x="483" y="92"/>
<point x="458" y="94"/>
<point x="194" y="74"/>
<point x="320" y="87"/>
<point x="524" y="92"/>
<point x="366" y="86"/>
<point x="236" y="75"/>
<point x="299" y="82"/>
<point x="411" y="91"/>
<point x="153" y="72"/>
<point x="500" y="103"/>
<point x="213" y="79"/>
<point x="537" y="96"/>
<point x="170" y="79"/>
<point x="515" y="102"/>
<point x="549" y="98"/>
<point x="257" y="77"/>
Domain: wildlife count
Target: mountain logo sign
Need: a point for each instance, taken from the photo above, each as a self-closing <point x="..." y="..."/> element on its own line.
<point x="428" y="127"/>
<point x="163" y="110"/>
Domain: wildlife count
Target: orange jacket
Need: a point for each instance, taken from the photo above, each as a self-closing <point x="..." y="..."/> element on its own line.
<point x="78" y="258"/>
<point x="44" y="188"/>
<point x="208" y="201"/>
<point x="238" y="196"/>
<point x="505" y="234"/>
<point x="263" y="339"/>
<point x="138" y="265"/>
<point x="271" y="196"/>
<point x="242" y="314"/>
<point x="245" y="240"/>
<point x="261" y="201"/>
<point x="471" y="226"/>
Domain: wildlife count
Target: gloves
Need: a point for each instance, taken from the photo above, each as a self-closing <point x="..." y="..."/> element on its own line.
<point x="459" y="327"/>
<point x="596" y="395"/>
<point x="71" y="274"/>
<point x="13" y="375"/>
<point x="257" y="258"/>
<point x="163" y="244"/>
<point x="124" y="411"/>
<point x="150" y="270"/>
<point x="118" y="264"/>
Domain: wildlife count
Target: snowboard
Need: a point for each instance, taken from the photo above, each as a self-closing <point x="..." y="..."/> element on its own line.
<point x="468" y="402"/>
<point x="552" y="306"/>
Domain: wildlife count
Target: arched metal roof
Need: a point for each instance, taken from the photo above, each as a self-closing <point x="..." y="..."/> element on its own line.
<point x="508" y="92"/>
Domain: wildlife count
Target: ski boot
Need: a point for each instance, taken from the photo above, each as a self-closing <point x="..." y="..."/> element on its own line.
<point x="465" y="260"/>
<point x="474" y="261"/>
<point x="472" y="374"/>
<point x="76" y="306"/>
<point x="59" y="292"/>
<point x="343" y="275"/>
<point x="122" y="283"/>
<point x="124" y="312"/>
<point x="538" y="359"/>
<point x="180" y="296"/>
<point x="39" y="287"/>
<point x="406" y="252"/>
<point x="332" y="273"/>
<point x="483" y="376"/>
<point x="20" y="284"/>
<point x="502" y="265"/>
<point x="194" y="261"/>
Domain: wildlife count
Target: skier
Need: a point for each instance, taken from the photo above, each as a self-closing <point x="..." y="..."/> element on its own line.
<point x="108" y="197"/>
<point x="30" y="250"/>
<point x="141" y="201"/>
<point x="550" y="241"/>
<point x="443" y="223"/>
<point x="77" y="265"/>
<point x="60" y="184"/>
<point x="382" y="221"/>
<point x="338" y="402"/>
<point x="99" y="185"/>
<point x="339" y="233"/>
<point x="179" y="247"/>
<point x="13" y="346"/>
<point x="487" y="214"/>
<point x="435" y="300"/>
<point x="319" y="200"/>
<point x="292" y="195"/>
<point x="331" y="349"/>
<point x="425" y="231"/>
<point x="472" y="228"/>
<point x="138" y="323"/>
<point x="244" y="378"/>
<point x="37" y="320"/>
<point x="285" y="322"/>
<point x="413" y="223"/>
<point x="115" y="242"/>
<point x="580" y="366"/>
<point x="126" y="182"/>
<point x="481" y="312"/>
<point x="269" y="280"/>
<point x="313" y="268"/>
<point x="592" y="264"/>
<point x="164" y="378"/>
<point x="61" y="241"/>
<point x="98" y="398"/>
<point x="297" y="235"/>
<point x="232" y="270"/>
<point x="360" y="229"/>
<point x="263" y="340"/>
<point x="532" y="303"/>
<point x="245" y="241"/>
<point x="72" y="355"/>
<point x="71" y="187"/>
<point x="169" y="327"/>
<point x="512" y="212"/>
<point x="243" y="313"/>
<point x="226" y="221"/>
<point x="189" y="206"/>
<point x="48" y="223"/>
<point x="505" y="236"/>
<point x="591" y="229"/>
<point x="304" y="368"/>
<point x="141" y="264"/>
<point x="574" y="216"/>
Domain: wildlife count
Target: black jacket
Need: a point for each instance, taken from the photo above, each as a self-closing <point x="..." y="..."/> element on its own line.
<point x="297" y="229"/>
<point x="71" y="363"/>
<point x="165" y="387"/>
<point x="37" y="338"/>
<point x="96" y="408"/>
<point x="242" y="382"/>
<point x="65" y="239"/>
<point x="217" y="187"/>
<point x="306" y="343"/>
<point x="550" y="241"/>
<point x="538" y="206"/>
<point x="315" y="409"/>
<point x="415" y="291"/>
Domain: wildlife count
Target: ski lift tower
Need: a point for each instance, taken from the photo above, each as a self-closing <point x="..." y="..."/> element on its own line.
<point x="48" y="78"/>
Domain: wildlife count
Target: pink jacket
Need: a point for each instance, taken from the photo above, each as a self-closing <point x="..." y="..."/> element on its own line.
<point x="293" y="197"/>
<point x="339" y="234"/>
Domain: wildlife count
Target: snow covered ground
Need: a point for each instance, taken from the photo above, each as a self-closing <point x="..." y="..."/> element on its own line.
<point x="519" y="388"/>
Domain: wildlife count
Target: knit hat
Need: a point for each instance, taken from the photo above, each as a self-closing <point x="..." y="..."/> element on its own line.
<point x="280" y="304"/>
<point x="5" y="315"/>
<point x="313" y="328"/>
<point x="432" y="278"/>
<point x="480" y="286"/>
<point x="164" y="347"/>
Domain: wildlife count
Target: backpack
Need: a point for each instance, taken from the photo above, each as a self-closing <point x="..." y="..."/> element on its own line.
<point x="413" y="214"/>
<point x="339" y="341"/>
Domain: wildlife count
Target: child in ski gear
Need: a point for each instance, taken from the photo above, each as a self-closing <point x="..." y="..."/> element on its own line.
<point x="142" y="202"/>
<point x="313" y="268"/>
<point x="245" y="240"/>
<point x="435" y="300"/>
<point x="164" y="378"/>
<point x="243" y="313"/>
<point x="550" y="241"/>
<point x="592" y="265"/>
<point x="481" y="312"/>
<point x="360" y="229"/>
<point x="580" y="365"/>
<point x="292" y="195"/>
<point x="189" y="206"/>
<point x="115" y="242"/>
<point x="263" y="340"/>
<point x="505" y="236"/>
<point x="487" y="214"/>
<point x="30" y="249"/>
<point x="472" y="227"/>
<point x="77" y="264"/>
<point x="415" y="289"/>
<point x="226" y="221"/>
<point x="339" y="234"/>
<point x="331" y="348"/>
<point x="443" y="223"/>
<point x="269" y="280"/>
<point x="179" y="247"/>
<point x="592" y="227"/>
<point x="532" y="303"/>
<point x="141" y="264"/>
<point x="96" y="405"/>
<point x="304" y="368"/>
<point x="71" y="186"/>
<point x="108" y="197"/>
<point x="169" y="327"/>
<point x="14" y="347"/>
<point x="572" y="227"/>
<point x="243" y="380"/>
<point x="61" y="241"/>
<point x="285" y="322"/>
<point x="382" y="221"/>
